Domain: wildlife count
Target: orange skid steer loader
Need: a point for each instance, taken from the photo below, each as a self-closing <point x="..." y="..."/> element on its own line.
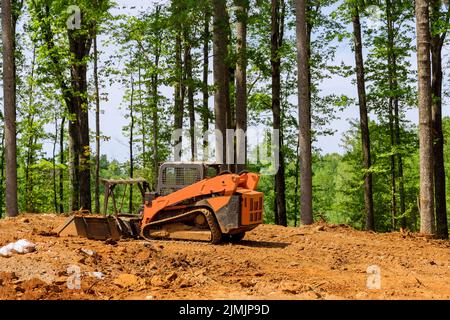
<point x="193" y="201"/>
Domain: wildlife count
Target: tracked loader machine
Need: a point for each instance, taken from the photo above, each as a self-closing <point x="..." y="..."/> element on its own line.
<point x="192" y="201"/>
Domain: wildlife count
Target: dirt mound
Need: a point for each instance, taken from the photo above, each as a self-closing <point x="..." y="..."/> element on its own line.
<point x="314" y="262"/>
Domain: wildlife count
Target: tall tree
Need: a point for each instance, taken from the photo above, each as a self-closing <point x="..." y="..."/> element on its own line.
<point x="9" y="102"/>
<point x="241" y="82"/>
<point x="221" y="77"/>
<point x="427" y="219"/>
<point x="438" y="35"/>
<point x="363" y="117"/>
<point x="131" y="143"/>
<point x="277" y="33"/>
<point x="190" y="94"/>
<point x="61" y="162"/>
<point x="80" y="45"/>
<point x="205" y="114"/>
<point x="304" y="113"/>
<point x="74" y="89"/>
<point x="97" y="129"/>
<point x="179" y="91"/>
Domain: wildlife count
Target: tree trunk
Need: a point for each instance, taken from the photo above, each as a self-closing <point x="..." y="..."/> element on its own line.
<point x="304" y="111"/>
<point x="241" y="84"/>
<point x="79" y="127"/>
<point x="55" y="142"/>
<point x="2" y="172"/>
<point x="97" y="129"/>
<point x="143" y="122"/>
<point x="363" y="120"/>
<point x="61" y="162"/>
<point x="437" y="42"/>
<point x="205" y="90"/>
<point x="221" y="79"/>
<point x="427" y="219"/>
<point x="179" y="97"/>
<point x="401" y="183"/>
<point x="131" y="144"/>
<point x="394" y="124"/>
<point x="9" y="103"/>
<point x="190" y="94"/>
<point x="276" y="42"/>
<point x="155" y="119"/>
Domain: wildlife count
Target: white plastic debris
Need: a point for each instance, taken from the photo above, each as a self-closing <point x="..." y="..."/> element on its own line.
<point x="89" y="252"/>
<point x="22" y="246"/>
<point x="98" y="275"/>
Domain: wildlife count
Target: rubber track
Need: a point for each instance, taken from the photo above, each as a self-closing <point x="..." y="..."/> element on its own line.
<point x="216" y="234"/>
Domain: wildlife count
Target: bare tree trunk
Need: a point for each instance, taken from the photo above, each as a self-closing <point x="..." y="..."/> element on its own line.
<point x="394" y="124"/>
<point x="190" y="94"/>
<point x="131" y="143"/>
<point x="363" y="120"/>
<point x="304" y="105"/>
<point x="155" y="119"/>
<point x="392" y="167"/>
<point x="179" y="97"/>
<point x="427" y="219"/>
<point x="2" y="172"/>
<point x="61" y="171"/>
<point x="437" y="42"/>
<point x="97" y="129"/>
<point x="205" y="91"/>
<point x="401" y="183"/>
<point x="9" y="102"/>
<point x="55" y="142"/>
<point x="276" y="42"/>
<point x="241" y="82"/>
<point x="79" y="127"/>
<point x="143" y="122"/>
<point x="221" y="78"/>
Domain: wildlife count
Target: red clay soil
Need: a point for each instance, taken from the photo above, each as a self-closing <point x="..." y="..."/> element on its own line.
<point x="315" y="262"/>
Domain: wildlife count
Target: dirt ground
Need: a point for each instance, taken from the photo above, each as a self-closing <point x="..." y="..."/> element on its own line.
<point x="315" y="262"/>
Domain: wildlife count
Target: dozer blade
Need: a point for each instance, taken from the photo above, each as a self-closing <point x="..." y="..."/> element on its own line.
<point x="95" y="228"/>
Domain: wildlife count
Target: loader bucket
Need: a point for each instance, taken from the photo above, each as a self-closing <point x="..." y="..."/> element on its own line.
<point x="95" y="228"/>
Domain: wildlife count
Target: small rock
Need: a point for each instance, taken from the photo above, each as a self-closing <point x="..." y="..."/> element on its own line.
<point x="53" y="288"/>
<point x="149" y="298"/>
<point x="320" y="228"/>
<point x="111" y="242"/>
<point x="19" y="289"/>
<point x="25" y="220"/>
<point x="247" y="284"/>
<point x="171" y="277"/>
<point x="60" y="280"/>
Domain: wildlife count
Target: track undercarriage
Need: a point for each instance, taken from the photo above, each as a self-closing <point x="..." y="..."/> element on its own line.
<point x="197" y="224"/>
